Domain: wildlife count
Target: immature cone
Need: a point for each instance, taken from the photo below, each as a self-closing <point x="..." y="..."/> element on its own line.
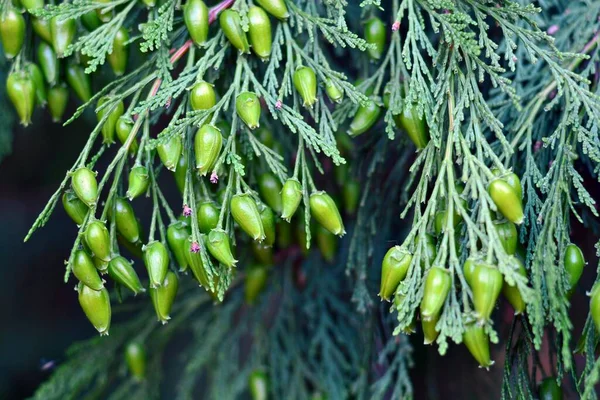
<point x="170" y="151"/>
<point x="291" y="196"/>
<point x="195" y="15"/>
<point x="164" y="296"/>
<point x="414" y="125"/>
<point x="196" y="265"/>
<point x="276" y="8"/>
<point x="12" y="31"/>
<point x="203" y="96"/>
<point x="138" y="182"/>
<point x="375" y="34"/>
<point x="247" y="106"/>
<point x="58" y="98"/>
<point x="512" y="179"/>
<point x="468" y="269"/>
<point x="270" y="188"/>
<point x="91" y="21"/>
<point x="217" y="243"/>
<point x="114" y="113"/>
<point x="260" y="32"/>
<point x="35" y="74"/>
<point x="324" y="210"/>
<point x="245" y="212"/>
<point x="84" y="269"/>
<point x="437" y="286"/>
<point x="512" y="293"/>
<point x="177" y="238"/>
<point x="121" y="271"/>
<point x="79" y="81"/>
<point x="366" y="116"/>
<point x="62" y="33"/>
<point x="595" y="307"/>
<point x="48" y="62"/>
<point x="207" y="147"/>
<point x="305" y="82"/>
<point x="255" y="282"/>
<point x="267" y="218"/>
<point x="135" y="356"/>
<point x="334" y="93"/>
<point x="75" y="208"/>
<point x="574" y="263"/>
<point x="326" y="242"/>
<point x="478" y="344"/>
<point x="156" y="259"/>
<point x="507" y="233"/>
<point x="428" y="251"/>
<point x="486" y="286"/>
<point x="231" y="25"/>
<point x="507" y="200"/>
<point x="550" y="390"/>
<point x="97" y="239"/>
<point x="351" y="196"/>
<point x="123" y="129"/>
<point x="21" y="92"/>
<point x="120" y="52"/>
<point x="125" y="219"/>
<point x="430" y="334"/>
<point x="394" y="268"/>
<point x="181" y="171"/>
<point x="42" y="28"/>
<point x="262" y="253"/>
<point x="96" y="306"/>
<point x="208" y="216"/>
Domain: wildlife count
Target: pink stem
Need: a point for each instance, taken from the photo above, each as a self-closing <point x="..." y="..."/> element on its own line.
<point x="214" y="11"/>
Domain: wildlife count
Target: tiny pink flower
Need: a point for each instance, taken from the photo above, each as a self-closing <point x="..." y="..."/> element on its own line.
<point x="187" y="211"/>
<point x="168" y="103"/>
<point x="553" y="29"/>
<point x="195" y="247"/>
<point x="514" y="58"/>
<point x="278" y="105"/>
<point x="135" y="117"/>
<point x="214" y="178"/>
<point x="395" y="26"/>
<point x="552" y="94"/>
<point x="537" y="146"/>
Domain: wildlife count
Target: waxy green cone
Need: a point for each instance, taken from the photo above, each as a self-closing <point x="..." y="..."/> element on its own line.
<point x="121" y="271"/>
<point x="91" y="21"/>
<point x="42" y="28"/>
<point x="351" y="196"/>
<point x="62" y="33"/>
<point x="512" y="179"/>
<point x="120" y="52"/>
<point x="245" y="212"/>
<point x="247" y="106"/>
<point x="507" y="200"/>
<point x="164" y="296"/>
<point x="195" y="15"/>
<point x="208" y="216"/>
<point x="324" y="210"/>
<point x="181" y="171"/>
<point x="138" y="182"/>
<point x="276" y="8"/>
<point x="262" y="253"/>
<point x="112" y="113"/>
<point x="126" y="221"/>
<point x="207" y="147"/>
<point x="550" y="390"/>
<point x="394" y="268"/>
<point x="32" y="4"/>
<point x="260" y="32"/>
<point x="79" y="81"/>
<point x="135" y="356"/>
<point x="22" y="93"/>
<point x="12" y="31"/>
<point x="58" y="98"/>
<point x="334" y="93"/>
<point x="98" y="240"/>
<point x="414" y="125"/>
<point x="574" y="264"/>
<point x="478" y="344"/>
<point x="75" y="208"/>
<point x="177" y="238"/>
<point x="84" y="269"/>
<point x="156" y="259"/>
<point x="203" y="96"/>
<point x="170" y="151"/>
<point x="326" y="242"/>
<point x="430" y="334"/>
<point x="507" y="233"/>
<point x="267" y="218"/>
<point x="291" y="196"/>
<point x="255" y="282"/>
<point x="595" y="307"/>
<point x="468" y="269"/>
<point x="196" y="265"/>
<point x="375" y="34"/>
<point x="305" y="82"/>
<point x="83" y="182"/>
<point x="366" y="116"/>
<point x="270" y="188"/>
<point x="437" y="286"/>
<point x="231" y="25"/>
<point x="35" y="73"/>
<point x="217" y="243"/>
<point x="123" y="129"/>
<point x="96" y="306"/>
<point x="486" y="285"/>
<point x="512" y="293"/>
<point x="48" y="62"/>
